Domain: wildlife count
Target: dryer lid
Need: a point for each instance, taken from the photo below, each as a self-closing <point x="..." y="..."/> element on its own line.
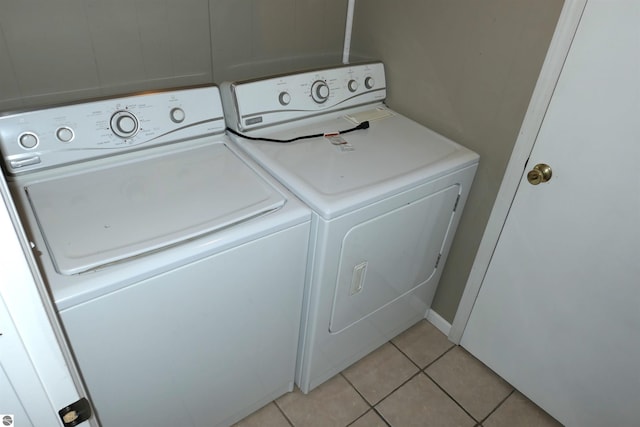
<point x="106" y="215"/>
<point x="393" y="155"/>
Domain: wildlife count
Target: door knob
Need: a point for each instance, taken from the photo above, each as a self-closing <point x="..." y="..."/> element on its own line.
<point x="540" y="173"/>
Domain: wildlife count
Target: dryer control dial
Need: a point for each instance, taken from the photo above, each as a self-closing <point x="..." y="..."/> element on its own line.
<point x="319" y="91"/>
<point x="177" y="115"/>
<point x="369" y="82"/>
<point x="124" y="124"/>
<point x="284" y="98"/>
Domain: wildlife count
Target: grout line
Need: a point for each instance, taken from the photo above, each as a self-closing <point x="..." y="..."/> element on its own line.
<point x="458" y="403"/>
<point x="365" y="413"/>
<point x="397" y="388"/>
<point x="384" y="420"/>
<point x="371" y="409"/>
<point x="498" y="405"/>
<point x="357" y="391"/>
<point x="451" y="397"/>
<point x="372" y="405"/>
<point x="359" y="394"/>
<point x="428" y="364"/>
<point x="405" y="355"/>
<point x="439" y="357"/>
<point x="284" y="413"/>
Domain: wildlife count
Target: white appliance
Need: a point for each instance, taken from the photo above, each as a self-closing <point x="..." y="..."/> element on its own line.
<point x="386" y="201"/>
<point x="177" y="266"/>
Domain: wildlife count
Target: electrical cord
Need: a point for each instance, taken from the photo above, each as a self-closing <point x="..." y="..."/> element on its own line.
<point x="363" y="125"/>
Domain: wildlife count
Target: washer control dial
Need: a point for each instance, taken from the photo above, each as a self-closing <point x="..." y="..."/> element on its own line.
<point x="284" y="98"/>
<point x="28" y="140"/>
<point x="319" y="91"/>
<point x="177" y="115"/>
<point x="352" y="85"/>
<point x="124" y="124"/>
<point x="369" y="82"/>
<point x="65" y="134"/>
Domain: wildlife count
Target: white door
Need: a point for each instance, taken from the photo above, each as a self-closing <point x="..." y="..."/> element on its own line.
<point x="558" y="313"/>
<point x="35" y="379"/>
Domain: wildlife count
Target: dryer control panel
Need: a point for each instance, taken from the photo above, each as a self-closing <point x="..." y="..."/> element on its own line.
<point x="45" y="138"/>
<point x="257" y="103"/>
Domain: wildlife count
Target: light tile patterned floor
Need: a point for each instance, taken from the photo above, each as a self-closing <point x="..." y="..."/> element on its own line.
<point x="417" y="379"/>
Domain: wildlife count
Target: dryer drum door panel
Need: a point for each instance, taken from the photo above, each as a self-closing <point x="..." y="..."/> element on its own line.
<point x="389" y="256"/>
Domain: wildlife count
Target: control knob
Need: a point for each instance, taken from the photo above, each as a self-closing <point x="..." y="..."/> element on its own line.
<point x="352" y="85"/>
<point x="124" y="124"/>
<point x="64" y="134"/>
<point x="177" y="115"/>
<point x="369" y="82"/>
<point x="284" y="98"/>
<point x="319" y="91"/>
<point x="28" y="140"/>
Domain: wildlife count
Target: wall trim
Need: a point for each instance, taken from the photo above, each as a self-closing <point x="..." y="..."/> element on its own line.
<point x="438" y="321"/>
<point x="540" y="99"/>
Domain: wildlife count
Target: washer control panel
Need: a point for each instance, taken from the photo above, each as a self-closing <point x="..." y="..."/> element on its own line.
<point x="51" y="137"/>
<point x="258" y="103"/>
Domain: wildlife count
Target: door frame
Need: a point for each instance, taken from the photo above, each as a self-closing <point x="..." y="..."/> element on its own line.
<point x="564" y="33"/>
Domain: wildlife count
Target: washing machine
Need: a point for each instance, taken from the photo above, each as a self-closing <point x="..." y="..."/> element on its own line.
<point x="386" y="194"/>
<point x="176" y="264"/>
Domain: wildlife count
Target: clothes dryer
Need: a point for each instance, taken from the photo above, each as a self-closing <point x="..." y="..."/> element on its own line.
<point x="386" y="193"/>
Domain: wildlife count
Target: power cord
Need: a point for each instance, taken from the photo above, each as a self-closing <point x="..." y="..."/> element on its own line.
<point x="363" y="125"/>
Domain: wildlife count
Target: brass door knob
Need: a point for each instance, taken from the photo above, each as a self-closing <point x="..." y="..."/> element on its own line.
<point x="539" y="173"/>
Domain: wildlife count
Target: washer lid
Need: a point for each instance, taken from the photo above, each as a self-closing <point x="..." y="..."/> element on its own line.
<point x="106" y="215"/>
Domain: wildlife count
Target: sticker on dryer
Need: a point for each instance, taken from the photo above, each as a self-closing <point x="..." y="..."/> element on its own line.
<point x="340" y="143"/>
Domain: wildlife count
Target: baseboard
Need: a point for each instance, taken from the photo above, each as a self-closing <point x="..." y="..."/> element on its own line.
<point x="438" y="321"/>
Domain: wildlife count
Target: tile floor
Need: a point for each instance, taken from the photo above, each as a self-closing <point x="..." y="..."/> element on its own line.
<point x="417" y="379"/>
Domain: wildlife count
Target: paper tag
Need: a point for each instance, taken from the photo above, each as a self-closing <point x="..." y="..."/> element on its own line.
<point x="340" y="142"/>
<point x="336" y="139"/>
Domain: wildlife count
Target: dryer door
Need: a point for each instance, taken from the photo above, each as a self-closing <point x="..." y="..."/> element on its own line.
<point x="106" y="215"/>
<point x="390" y="256"/>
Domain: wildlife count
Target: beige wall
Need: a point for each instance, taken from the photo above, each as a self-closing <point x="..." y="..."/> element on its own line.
<point x="467" y="70"/>
<point x="66" y="50"/>
<point x="58" y="51"/>
<point x="262" y="37"/>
